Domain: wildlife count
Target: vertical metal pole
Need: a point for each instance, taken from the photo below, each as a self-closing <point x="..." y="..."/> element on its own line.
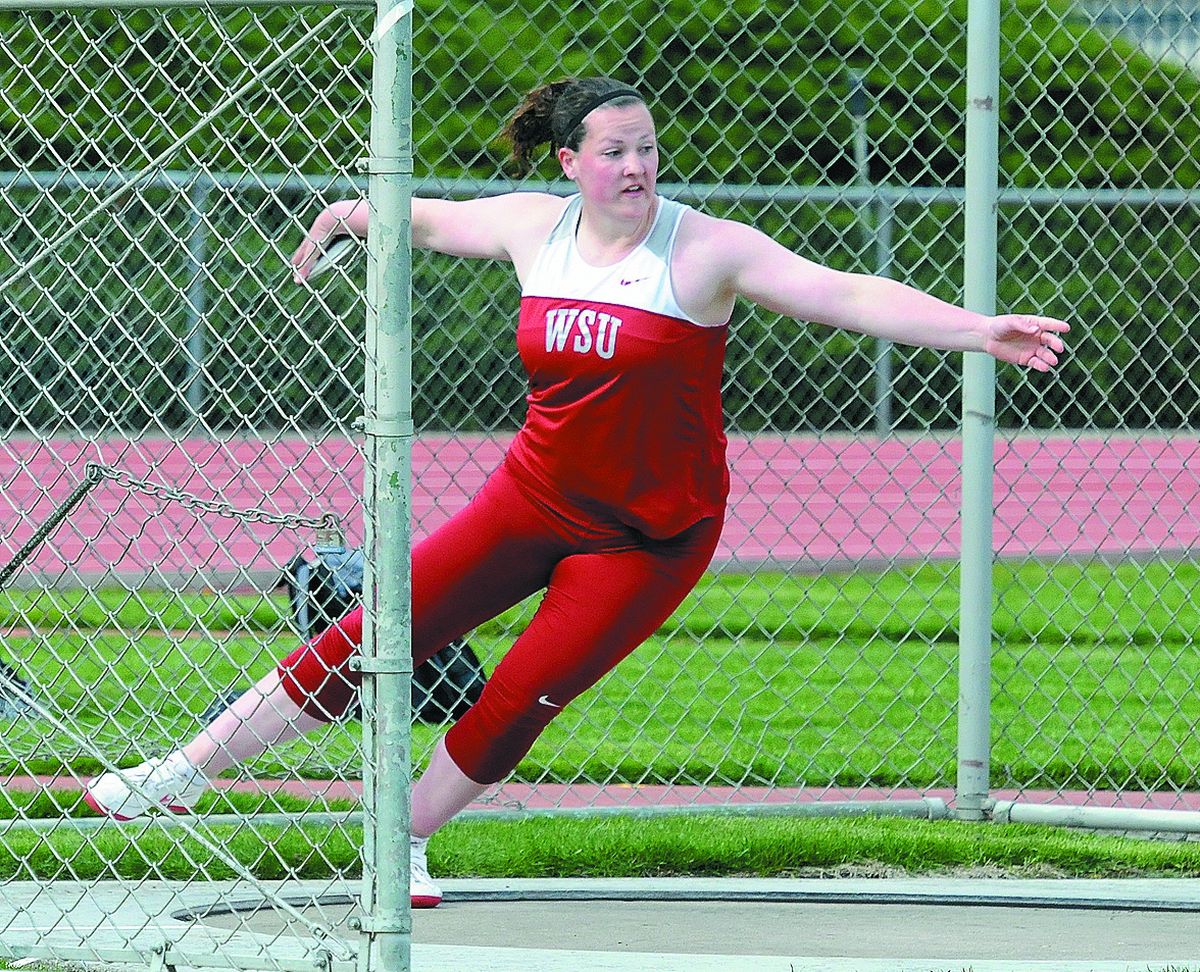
<point x="885" y="213"/>
<point x="197" y="298"/>
<point x="387" y="652"/>
<point x="870" y="229"/>
<point x="858" y="111"/>
<point x="978" y="412"/>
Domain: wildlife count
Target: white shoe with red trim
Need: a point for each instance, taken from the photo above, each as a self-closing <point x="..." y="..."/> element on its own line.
<point x="170" y="782"/>
<point x="422" y="891"/>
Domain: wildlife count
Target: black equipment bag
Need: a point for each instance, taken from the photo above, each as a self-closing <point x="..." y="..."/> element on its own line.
<point x="13" y="690"/>
<point x="324" y="590"/>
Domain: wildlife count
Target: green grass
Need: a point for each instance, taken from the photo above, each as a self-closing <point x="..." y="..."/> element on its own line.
<point x="708" y="845"/>
<point x="716" y="845"/>
<point x="140" y="610"/>
<point x="838" y="679"/>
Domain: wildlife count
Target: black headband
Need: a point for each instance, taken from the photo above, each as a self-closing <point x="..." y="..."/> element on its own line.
<point x="562" y="134"/>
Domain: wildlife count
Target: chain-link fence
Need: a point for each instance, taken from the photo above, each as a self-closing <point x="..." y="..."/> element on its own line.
<point x="176" y="421"/>
<point x="157" y="168"/>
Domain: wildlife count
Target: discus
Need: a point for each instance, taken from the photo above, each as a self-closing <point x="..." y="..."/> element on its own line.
<point x="336" y="252"/>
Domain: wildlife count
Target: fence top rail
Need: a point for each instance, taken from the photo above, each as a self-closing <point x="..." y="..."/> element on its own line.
<point x="22" y="5"/>
<point x="467" y="187"/>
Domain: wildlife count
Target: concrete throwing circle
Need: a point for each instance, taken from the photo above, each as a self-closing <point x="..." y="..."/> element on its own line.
<point x="836" y="922"/>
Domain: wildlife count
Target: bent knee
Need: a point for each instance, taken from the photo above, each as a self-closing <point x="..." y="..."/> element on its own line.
<point x="496" y="733"/>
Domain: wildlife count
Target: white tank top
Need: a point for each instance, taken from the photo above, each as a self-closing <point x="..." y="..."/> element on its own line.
<point x="642" y="279"/>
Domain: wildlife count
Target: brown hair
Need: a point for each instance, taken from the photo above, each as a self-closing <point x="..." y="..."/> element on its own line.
<point x="554" y="113"/>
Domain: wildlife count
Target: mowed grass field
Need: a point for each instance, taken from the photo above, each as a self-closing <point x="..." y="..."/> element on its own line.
<point x="711" y="845"/>
<point x="839" y="679"/>
<point x="846" y="679"/>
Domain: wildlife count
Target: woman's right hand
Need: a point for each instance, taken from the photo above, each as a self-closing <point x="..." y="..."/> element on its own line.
<point x="336" y="219"/>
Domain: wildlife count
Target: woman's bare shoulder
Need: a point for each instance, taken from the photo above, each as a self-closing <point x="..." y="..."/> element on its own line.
<point x="537" y="210"/>
<point x="699" y="229"/>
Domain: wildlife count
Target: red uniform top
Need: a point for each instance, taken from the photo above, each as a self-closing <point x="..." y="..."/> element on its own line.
<point x="624" y="417"/>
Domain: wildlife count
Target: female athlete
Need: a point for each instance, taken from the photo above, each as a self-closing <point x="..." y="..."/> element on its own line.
<point x="611" y="497"/>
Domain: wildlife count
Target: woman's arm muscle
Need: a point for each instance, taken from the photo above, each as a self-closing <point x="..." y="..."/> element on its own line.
<point x="769" y="274"/>
<point x="508" y="227"/>
<point x="493" y="227"/>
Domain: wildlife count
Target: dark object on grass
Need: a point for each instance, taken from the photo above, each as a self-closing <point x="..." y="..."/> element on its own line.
<point x="326" y="589"/>
<point x="13" y="690"/>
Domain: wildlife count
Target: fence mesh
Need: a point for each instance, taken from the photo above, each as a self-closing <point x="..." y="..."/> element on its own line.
<point x="157" y="167"/>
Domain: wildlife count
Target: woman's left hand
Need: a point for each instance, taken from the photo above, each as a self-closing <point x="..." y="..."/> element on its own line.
<point x="1026" y="340"/>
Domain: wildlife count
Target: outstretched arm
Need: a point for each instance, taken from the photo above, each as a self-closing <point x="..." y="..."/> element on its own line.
<point x="771" y="275"/>
<point x="494" y="227"/>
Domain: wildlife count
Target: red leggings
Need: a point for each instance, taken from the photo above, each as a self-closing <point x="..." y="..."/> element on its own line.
<point x="607" y="589"/>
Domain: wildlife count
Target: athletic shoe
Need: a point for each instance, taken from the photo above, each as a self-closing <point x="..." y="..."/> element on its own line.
<point x="424" y="893"/>
<point x="170" y="782"/>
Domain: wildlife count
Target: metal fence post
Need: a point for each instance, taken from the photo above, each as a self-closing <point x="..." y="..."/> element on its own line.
<point x="885" y="218"/>
<point x="978" y="412"/>
<point x="197" y="298"/>
<point x="871" y="225"/>
<point x="387" y="653"/>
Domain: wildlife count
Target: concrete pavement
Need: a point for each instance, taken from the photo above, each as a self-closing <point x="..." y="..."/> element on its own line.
<point x="619" y="925"/>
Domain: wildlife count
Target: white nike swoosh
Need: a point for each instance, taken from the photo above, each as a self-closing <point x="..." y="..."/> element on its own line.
<point x="545" y="700"/>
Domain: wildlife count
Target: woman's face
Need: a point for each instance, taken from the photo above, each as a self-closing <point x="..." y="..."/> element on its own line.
<point x="616" y="164"/>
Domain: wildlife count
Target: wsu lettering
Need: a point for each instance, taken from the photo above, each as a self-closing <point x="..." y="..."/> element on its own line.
<point x="592" y="330"/>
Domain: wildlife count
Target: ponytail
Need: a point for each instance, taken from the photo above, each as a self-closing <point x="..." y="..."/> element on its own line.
<point x="554" y="113"/>
<point x="530" y="125"/>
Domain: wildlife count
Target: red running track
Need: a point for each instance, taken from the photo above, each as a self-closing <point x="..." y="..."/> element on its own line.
<point x="548" y="796"/>
<point x="800" y="501"/>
